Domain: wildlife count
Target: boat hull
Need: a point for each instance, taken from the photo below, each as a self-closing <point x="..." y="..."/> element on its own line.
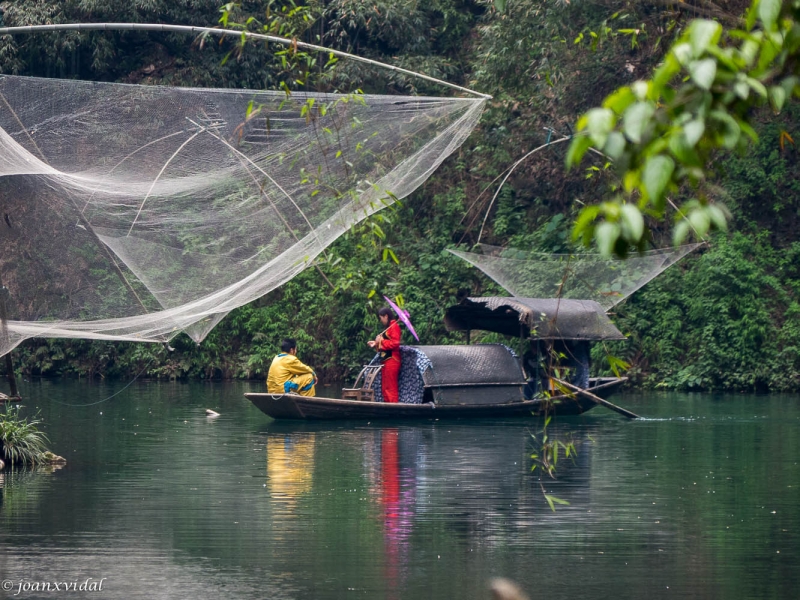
<point x="292" y="406"/>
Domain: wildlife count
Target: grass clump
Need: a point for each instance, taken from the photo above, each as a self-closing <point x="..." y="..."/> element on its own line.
<point x="21" y="441"/>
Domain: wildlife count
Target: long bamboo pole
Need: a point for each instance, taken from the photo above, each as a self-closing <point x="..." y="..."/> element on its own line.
<point x="597" y="399"/>
<point x="12" y="380"/>
<point x="222" y="33"/>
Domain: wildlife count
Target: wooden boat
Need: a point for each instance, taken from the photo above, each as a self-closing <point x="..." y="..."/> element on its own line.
<point x="472" y="380"/>
<point x="293" y="406"/>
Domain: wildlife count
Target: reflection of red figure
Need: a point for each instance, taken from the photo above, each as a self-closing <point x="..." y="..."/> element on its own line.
<point x="397" y="498"/>
<point x="390" y="469"/>
<point x="390" y="498"/>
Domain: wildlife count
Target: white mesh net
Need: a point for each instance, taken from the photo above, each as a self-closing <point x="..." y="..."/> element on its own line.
<point x="137" y="212"/>
<point x="607" y="281"/>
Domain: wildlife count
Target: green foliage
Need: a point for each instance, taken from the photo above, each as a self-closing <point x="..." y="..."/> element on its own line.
<point x="146" y="57"/>
<point x="427" y="37"/>
<point x="545" y="458"/>
<point x="725" y="320"/>
<point x="21" y="441"/>
<point x="663" y="133"/>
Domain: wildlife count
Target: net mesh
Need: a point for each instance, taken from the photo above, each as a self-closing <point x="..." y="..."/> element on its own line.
<point x="576" y="276"/>
<point x="137" y="212"/>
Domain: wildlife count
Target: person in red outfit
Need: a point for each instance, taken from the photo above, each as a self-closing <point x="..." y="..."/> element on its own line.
<point x="388" y="344"/>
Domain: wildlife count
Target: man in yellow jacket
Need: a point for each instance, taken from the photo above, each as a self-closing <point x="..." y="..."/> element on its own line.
<point x="288" y="375"/>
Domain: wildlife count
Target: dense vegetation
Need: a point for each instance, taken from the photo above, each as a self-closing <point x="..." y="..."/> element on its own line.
<point x="728" y="318"/>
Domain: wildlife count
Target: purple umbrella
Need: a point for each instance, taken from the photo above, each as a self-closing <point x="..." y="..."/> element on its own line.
<point x="403" y="316"/>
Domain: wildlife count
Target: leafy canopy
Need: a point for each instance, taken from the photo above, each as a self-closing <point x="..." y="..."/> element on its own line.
<point x="662" y="134"/>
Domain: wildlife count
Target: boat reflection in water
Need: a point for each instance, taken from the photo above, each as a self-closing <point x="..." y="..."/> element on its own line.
<point x="385" y="491"/>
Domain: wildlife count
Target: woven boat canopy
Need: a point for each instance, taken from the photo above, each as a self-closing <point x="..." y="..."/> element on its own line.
<point x="534" y="318"/>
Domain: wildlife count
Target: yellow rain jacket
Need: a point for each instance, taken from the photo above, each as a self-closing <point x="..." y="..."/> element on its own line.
<point x="287" y="374"/>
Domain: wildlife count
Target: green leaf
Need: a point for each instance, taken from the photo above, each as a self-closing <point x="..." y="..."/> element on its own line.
<point x="632" y="223"/>
<point x="577" y="148"/>
<point x="617" y="364"/>
<point x="584" y="221"/>
<point x="741" y="89"/>
<point x="636" y="120"/>
<point x="768" y="12"/>
<point x="792" y="40"/>
<point x="686" y="154"/>
<point x="682" y="52"/>
<point x="757" y="86"/>
<point x="730" y="130"/>
<point x="656" y="175"/>
<point x="702" y="33"/>
<point x="615" y="145"/>
<point x="700" y="220"/>
<point x="553" y="499"/>
<point x="663" y="75"/>
<point x="718" y="216"/>
<point x="749" y="51"/>
<point x="599" y="123"/>
<point x="777" y="97"/>
<point x="693" y="130"/>
<point x="789" y="84"/>
<point x="606" y="235"/>
<point x="680" y="232"/>
<point x="620" y="100"/>
<point x="752" y="13"/>
<point x="703" y="72"/>
<point x="769" y="50"/>
<point x="749" y="131"/>
<point x="640" y="89"/>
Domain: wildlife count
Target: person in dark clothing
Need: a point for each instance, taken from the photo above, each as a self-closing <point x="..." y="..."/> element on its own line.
<point x="579" y="358"/>
<point x="543" y="357"/>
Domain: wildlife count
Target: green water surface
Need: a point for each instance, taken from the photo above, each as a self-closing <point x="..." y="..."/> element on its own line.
<point x="699" y="500"/>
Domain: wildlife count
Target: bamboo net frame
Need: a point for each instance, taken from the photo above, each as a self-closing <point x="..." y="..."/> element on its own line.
<point x="30" y="29"/>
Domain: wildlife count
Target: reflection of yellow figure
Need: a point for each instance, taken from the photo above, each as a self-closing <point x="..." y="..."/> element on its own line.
<point x="290" y="460"/>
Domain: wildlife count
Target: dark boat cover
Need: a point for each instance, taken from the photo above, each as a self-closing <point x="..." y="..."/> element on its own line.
<point x="477" y="363"/>
<point x="535" y="318"/>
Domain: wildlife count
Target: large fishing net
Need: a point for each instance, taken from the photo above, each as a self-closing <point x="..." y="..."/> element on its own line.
<point x="607" y="281"/>
<point x="137" y="212"/>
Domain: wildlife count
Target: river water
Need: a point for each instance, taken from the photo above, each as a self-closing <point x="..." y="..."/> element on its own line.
<point x="699" y="500"/>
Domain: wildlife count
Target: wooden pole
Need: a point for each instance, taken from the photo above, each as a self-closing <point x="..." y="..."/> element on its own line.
<point x="234" y="33"/>
<point x="12" y="380"/>
<point x="597" y="399"/>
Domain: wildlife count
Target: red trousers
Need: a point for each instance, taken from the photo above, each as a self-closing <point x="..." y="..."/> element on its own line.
<point x="389" y="376"/>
